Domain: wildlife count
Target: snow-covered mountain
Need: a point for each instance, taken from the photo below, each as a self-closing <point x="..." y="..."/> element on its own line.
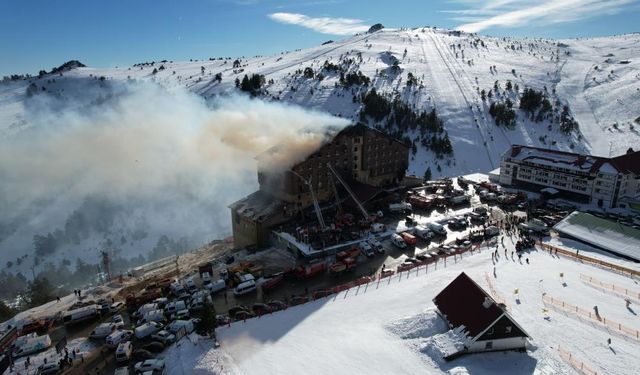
<point x="469" y="80"/>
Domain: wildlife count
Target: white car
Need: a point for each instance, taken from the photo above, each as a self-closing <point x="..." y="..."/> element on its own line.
<point x="376" y="245"/>
<point x="117" y="319"/>
<point x="117" y="337"/>
<point x="181" y="315"/>
<point x="164" y="337"/>
<point x="123" y="352"/>
<point x="149" y="365"/>
<point x="117" y="306"/>
<point x="366" y="248"/>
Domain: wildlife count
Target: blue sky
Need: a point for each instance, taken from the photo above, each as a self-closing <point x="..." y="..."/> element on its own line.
<point x="42" y="34"/>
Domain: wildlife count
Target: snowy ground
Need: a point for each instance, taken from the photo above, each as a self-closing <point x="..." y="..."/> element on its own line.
<point x="598" y="78"/>
<point x="391" y="328"/>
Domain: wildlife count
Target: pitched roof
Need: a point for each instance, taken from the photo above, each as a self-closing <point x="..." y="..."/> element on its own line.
<point x="462" y="302"/>
<point x="628" y="163"/>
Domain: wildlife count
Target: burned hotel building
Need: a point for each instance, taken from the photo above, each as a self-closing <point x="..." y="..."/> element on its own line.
<point x="364" y="157"/>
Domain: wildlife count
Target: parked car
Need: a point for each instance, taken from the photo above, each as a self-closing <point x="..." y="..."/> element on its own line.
<point x="298" y="300"/>
<point x="376" y="245"/>
<point x="116" y="306"/>
<point x="245" y="287"/>
<point x="49" y="368"/>
<point x="117" y="337"/>
<point x="216" y="286"/>
<point x="176" y="325"/>
<point x="141" y="354"/>
<point x="154" y="347"/>
<point x="423" y="257"/>
<point x="242" y="315"/>
<point x="277" y="305"/>
<point x="117" y="319"/>
<point x="260" y="308"/>
<point x="149" y="365"/>
<point x="124" y="351"/>
<point x="367" y="249"/>
<point x="102" y="330"/>
<point x="222" y="320"/>
<point x="147" y="329"/>
<point x="398" y="241"/>
<point x="165" y="337"/>
<point x="181" y="315"/>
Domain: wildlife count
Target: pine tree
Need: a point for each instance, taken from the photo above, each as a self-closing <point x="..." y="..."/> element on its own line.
<point x="207" y="322"/>
<point x="427" y="174"/>
<point x="6" y="312"/>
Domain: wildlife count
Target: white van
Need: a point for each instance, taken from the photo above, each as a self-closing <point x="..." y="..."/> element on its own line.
<point x="147" y="329"/>
<point x="102" y="330"/>
<point x="216" y="286"/>
<point x="33" y="345"/>
<point x="437" y="229"/>
<point x="174" y="306"/>
<point x="145" y="309"/>
<point x="123" y="352"/>
<point x="81" y="314"/>
<point x="175" y="326"/>
<point x="191" y="285"/>
<point x="245" y="287"/>
<point x="177" y="289"/>
<point x="398" y="241"/>
<point x="152" y="316"/>
<point x="117" y="337"/>
<point x="206" y="279"/>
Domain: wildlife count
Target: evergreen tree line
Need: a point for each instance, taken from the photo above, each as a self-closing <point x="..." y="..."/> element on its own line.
<point x="397" y="117"/>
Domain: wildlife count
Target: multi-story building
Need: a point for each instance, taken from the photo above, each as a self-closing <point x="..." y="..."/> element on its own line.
<point x="605" y="182"/>
<point x="359" y="154"/>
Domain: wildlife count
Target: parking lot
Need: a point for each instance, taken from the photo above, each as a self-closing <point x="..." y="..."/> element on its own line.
<point x="293" y="290"/>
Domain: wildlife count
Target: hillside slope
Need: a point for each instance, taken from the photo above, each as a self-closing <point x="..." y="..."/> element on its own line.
<point x="469" y="80"/>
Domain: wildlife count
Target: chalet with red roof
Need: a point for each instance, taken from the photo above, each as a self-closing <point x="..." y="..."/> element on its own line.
<point x="488" y="325"/>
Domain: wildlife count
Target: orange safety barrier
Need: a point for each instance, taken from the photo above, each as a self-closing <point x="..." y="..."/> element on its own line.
<point x="575" y="363"/>
<point x="624" y="292"/>
<point x="575" y="310"/>
<point x="586" y="259"/>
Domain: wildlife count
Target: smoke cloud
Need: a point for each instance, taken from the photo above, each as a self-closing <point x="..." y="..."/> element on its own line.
<point x="178" y="160"/>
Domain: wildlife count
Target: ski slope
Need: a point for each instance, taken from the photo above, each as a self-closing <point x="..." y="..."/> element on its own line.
<point x="391" y="327"/>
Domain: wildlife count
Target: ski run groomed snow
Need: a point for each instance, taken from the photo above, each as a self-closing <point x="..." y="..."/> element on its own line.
<point x="392" y="327"/>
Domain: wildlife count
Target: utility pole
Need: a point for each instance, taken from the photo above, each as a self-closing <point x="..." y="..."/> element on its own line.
<point x="105" y="264"/>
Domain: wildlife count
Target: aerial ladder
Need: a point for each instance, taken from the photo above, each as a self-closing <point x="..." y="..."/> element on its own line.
<point x="348" y="189"/>
<point x="316" y="205"/>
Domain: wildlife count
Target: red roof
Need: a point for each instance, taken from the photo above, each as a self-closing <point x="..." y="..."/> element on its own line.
<point x="462" y="302"/>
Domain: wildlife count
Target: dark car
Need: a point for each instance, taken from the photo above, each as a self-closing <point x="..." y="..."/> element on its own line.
<point x="411" y="260"/>
<point x="422" y="257"/>
<point x="235" y="309"/>
<point x="261" y="308"/>
<point x="141" y="355"/>
<point x="222" y="320"/>
<point x="243" y="314"/>
<point x="154" y="347"/>
<point x="277" y="305"/>
<point x="298" y="300"/>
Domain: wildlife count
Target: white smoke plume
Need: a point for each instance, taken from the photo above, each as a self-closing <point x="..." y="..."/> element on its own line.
<point x="176" y="158"/>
